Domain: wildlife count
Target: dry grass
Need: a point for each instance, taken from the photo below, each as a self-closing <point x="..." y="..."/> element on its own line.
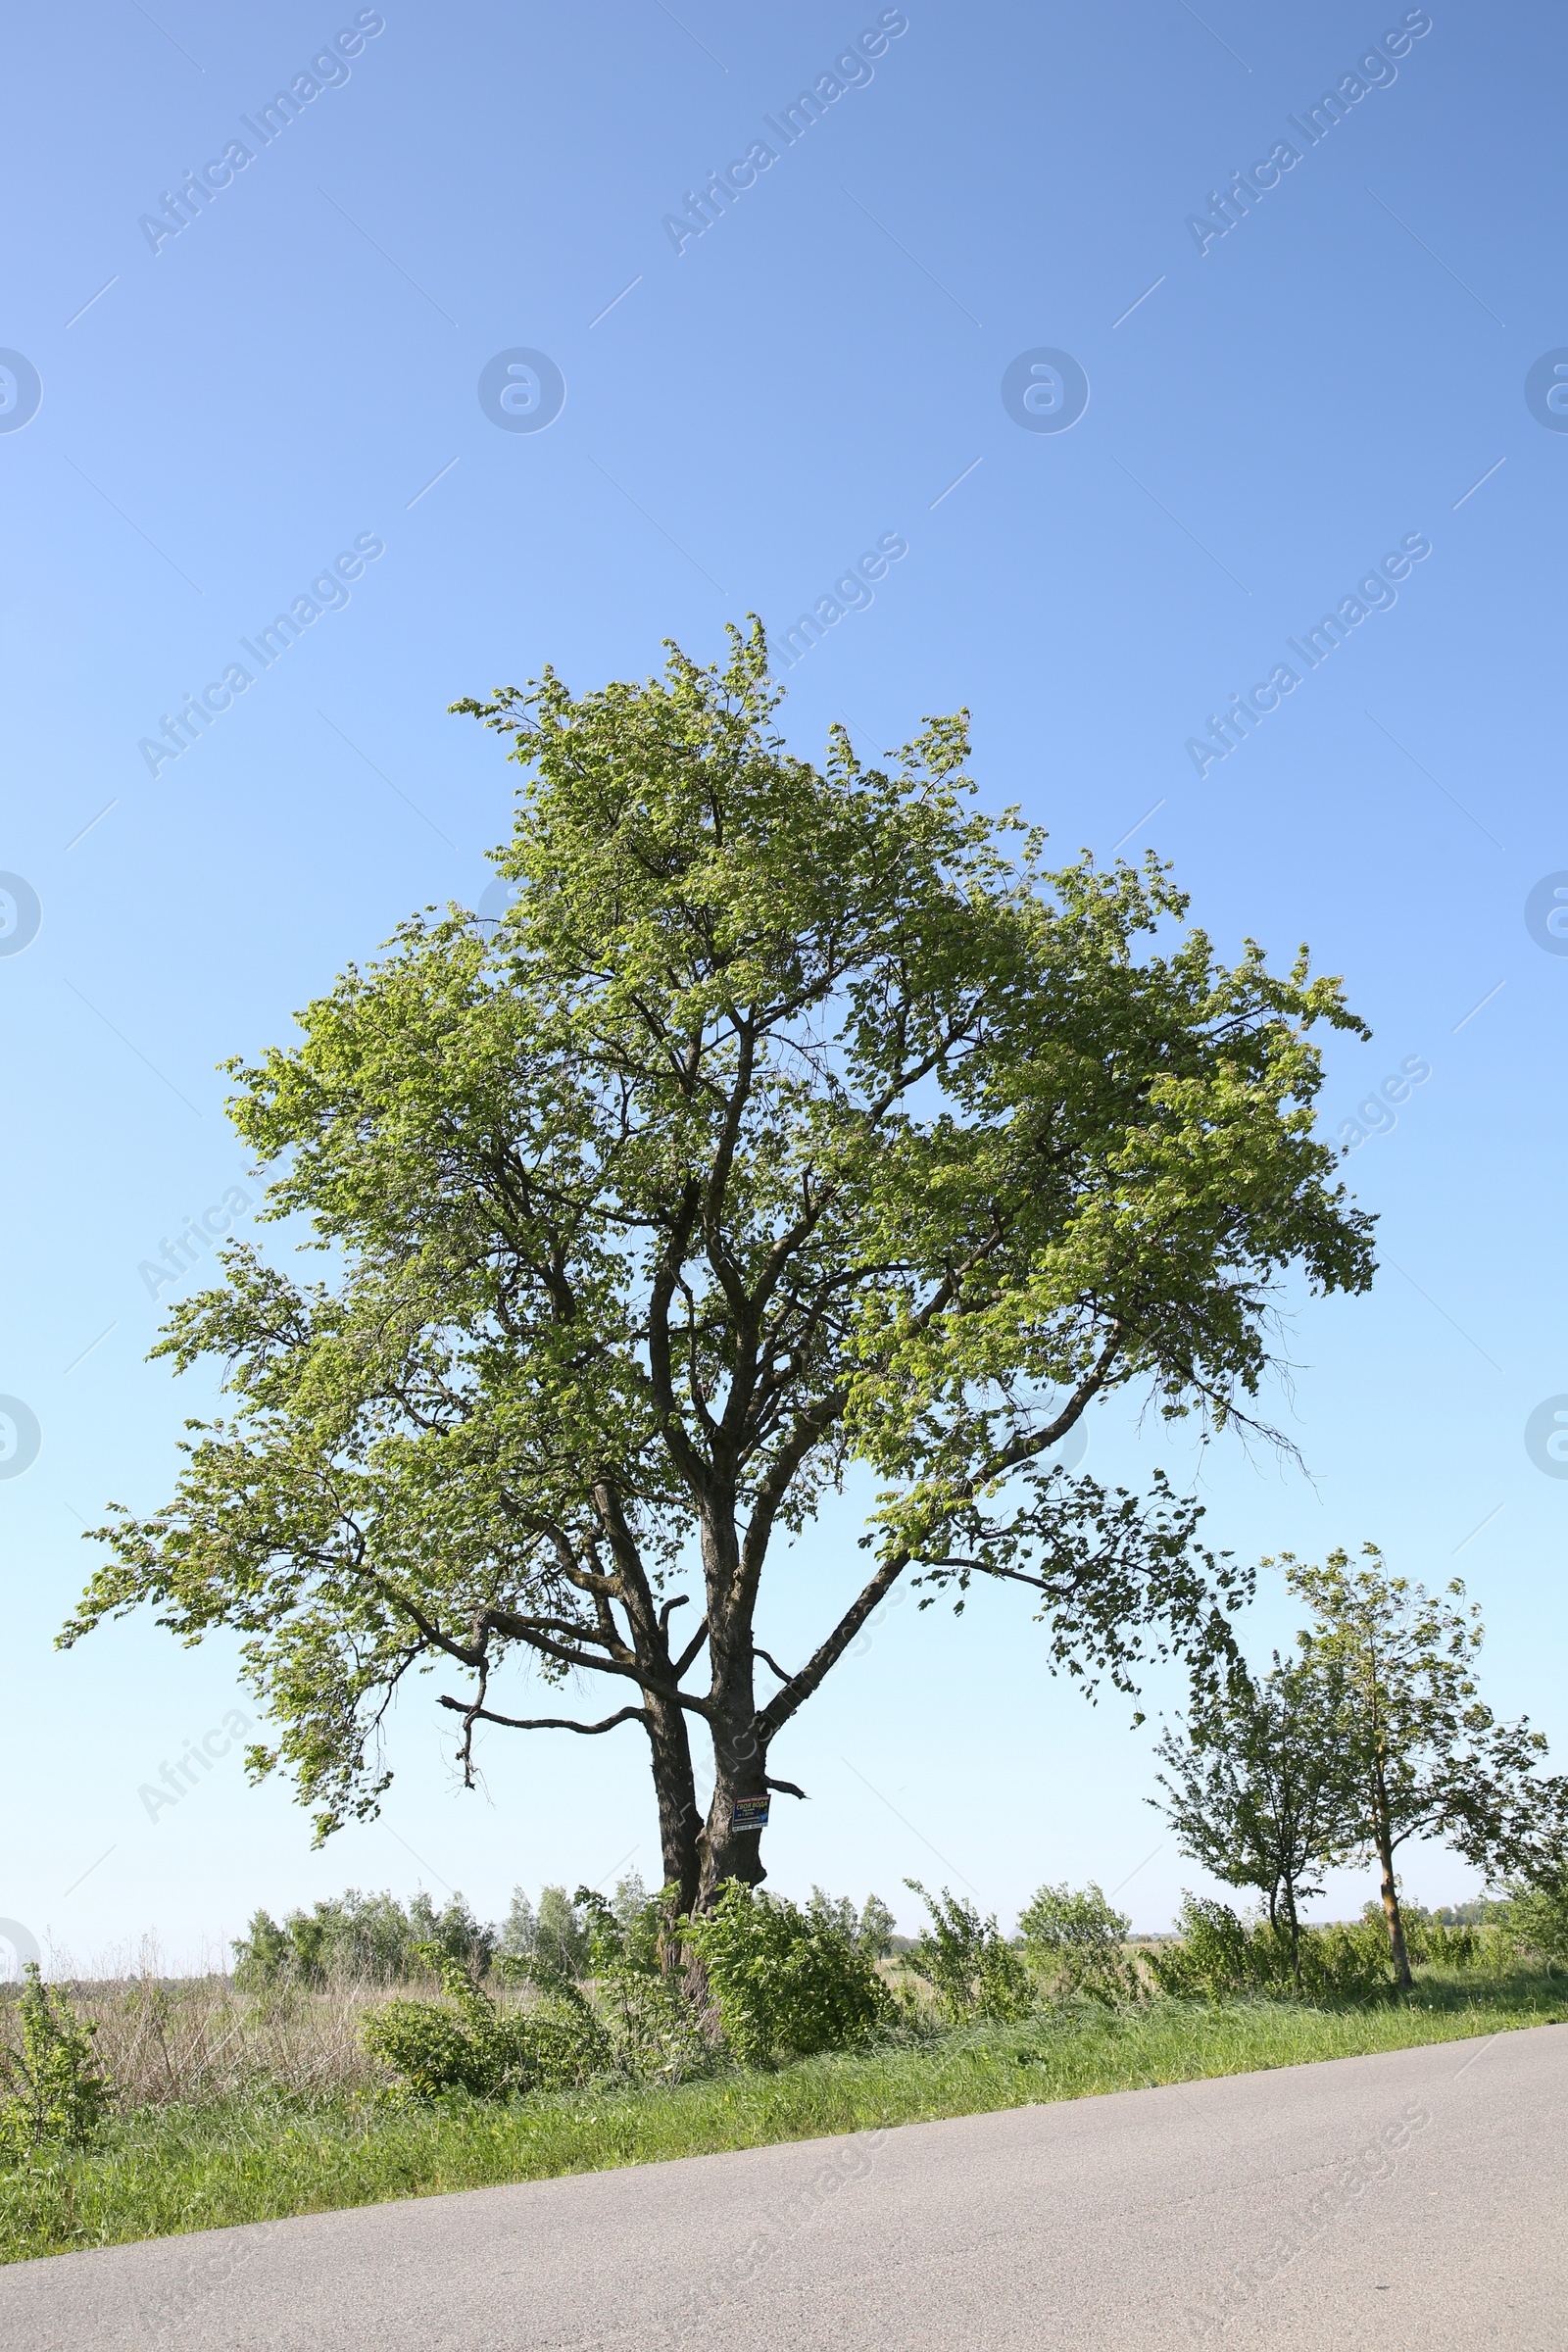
<point x="193" y="2041"/>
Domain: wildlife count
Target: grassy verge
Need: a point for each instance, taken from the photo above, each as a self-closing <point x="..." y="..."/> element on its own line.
<point x="162" y="2170"/>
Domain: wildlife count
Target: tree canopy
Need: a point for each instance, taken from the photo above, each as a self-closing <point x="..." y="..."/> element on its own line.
<point x="793" y="1117"/>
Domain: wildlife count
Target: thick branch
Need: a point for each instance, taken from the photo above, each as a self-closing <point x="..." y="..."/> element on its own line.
<point x="679" y="1665"/>
<point x="799" y="1689"/>
<point x="1025" y="1447"/>
<point x="543" y="1723"/>
<point x="682" y="1452"/>
<point x="523" y="1629"/>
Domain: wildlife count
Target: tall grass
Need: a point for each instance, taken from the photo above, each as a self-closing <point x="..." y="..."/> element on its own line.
<point x="190" y="2041"/>
<point x="302" y="2132"/>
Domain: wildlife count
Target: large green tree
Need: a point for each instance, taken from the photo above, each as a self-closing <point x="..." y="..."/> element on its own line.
<point x="794" y="1117"/>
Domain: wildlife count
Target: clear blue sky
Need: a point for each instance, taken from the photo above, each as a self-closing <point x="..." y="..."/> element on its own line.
<point x="1271" y="412"/>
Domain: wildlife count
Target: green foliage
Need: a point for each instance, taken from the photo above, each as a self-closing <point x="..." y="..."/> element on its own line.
<point x="468" y="2044"/>
<point x="1073" y="1942"/>
<point x="625" y="1929"/>
<point x="1486" y="1941"/>
<point x="1537" y="1919"/>
<point x="265" y="1954"/>
<point x="1218" y="1955"/>
<point x="55" y="2093"/>
<point x="360" y="1938"/>
<point x="1258" y="1786"/>
<point x="560" y="1936"/>
<point x="794" y="1114"/>
<point x="786" y="1983"/>
<point x="967" y="1962"/>
<point x="556" y="1935"/>
<point x="1424" y="1755"/>
<point x="1481" y="1911"/>
<point x="181" y="2168"/>
<point x="1375" y="1734"/>
<point x="656" y="2028"/>
<point x="870" y="1929"/>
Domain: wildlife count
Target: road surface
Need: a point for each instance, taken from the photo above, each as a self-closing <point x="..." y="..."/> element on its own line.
<point x="1414" y="2199"/>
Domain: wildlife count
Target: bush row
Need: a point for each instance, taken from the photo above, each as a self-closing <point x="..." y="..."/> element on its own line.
<point x="623" y="1988"/>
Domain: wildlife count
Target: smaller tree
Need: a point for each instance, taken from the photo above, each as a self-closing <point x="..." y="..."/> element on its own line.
<point x="1257" y="1787"/>
<point x="1424" y="1756"/>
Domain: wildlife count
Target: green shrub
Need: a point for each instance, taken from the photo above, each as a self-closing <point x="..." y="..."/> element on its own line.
<point x="1213" y="1953"/>
<point x="1216" y="1955"/>
<point x="656" y="2029"/>
<point x="1073" y="1942"/>
<point x="471" y="2045"/>
<point x="1537" y="1921"/>
<point x="786" y="1983"/>
<point x="1439" y="1942"/>
<point x="967" y="1962"/>
<point x="55" y="2092"/>
<point x="1348" y="1961"/>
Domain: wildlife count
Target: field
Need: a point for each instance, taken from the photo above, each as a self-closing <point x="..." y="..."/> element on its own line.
<point x="240" y="2109"/>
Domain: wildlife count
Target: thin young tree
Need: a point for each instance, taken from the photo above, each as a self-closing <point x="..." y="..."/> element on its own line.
<point x="793" y="1118"/>
<point x="1256" y="1786"/>
<point x="1425" y="1756"/>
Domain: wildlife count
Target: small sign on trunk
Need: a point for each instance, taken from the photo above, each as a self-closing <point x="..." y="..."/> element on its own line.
<point x="748" y="1813"/>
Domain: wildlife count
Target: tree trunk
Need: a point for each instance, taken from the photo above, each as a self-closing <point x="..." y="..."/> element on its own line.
<point x="1294" y="1925"/>
<point x="1383" y="1839"/>
<point x="740" y="1769"/>
<point x="668" y="1740"/>
<point x="676" y="1787"/>
<point x="1390" y="1913"/>
<point x="740" y="1760"/>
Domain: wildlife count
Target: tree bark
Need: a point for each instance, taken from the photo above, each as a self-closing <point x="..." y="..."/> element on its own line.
<point x="1395" y="1925"/>
<point x="1391" y="1892"/>
<point x="1294" y="1927"/>
<point x="675" y="1788"/>
<point x="669" y="1738"/>
<point x="740" y="1769"/>
<point x="740" y="1759"/>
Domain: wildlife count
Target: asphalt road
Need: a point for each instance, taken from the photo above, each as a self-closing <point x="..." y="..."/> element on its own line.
<point x="1414" y="2200"/>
